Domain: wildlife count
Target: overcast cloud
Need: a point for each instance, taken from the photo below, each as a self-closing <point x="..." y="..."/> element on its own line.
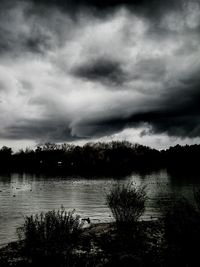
<point x="93" y="69"/>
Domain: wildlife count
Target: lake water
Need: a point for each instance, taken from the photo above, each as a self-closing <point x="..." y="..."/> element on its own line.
<point x="25" y="194"/>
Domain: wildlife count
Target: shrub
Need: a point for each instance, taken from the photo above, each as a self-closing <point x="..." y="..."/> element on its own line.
<point x="127" y="203"/>
<point x="50" y="232"/>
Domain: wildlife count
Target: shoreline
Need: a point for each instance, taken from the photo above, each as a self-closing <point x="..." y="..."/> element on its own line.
<point x="96" y="235"/>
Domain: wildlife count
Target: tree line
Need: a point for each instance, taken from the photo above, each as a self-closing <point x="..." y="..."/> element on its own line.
<point x="116" y="157"/>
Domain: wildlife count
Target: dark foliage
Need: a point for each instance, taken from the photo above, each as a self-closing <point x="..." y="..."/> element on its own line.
<point x="181" y="160"/>
<point x="99" y="245"/>
<point x="197" y="198"/>
<point x="93" y="158"/>
<point x="114" y="158"/>
<point x="50" y="236"/>
<point x="182" y="233"/>
<point x="127" y="203"/>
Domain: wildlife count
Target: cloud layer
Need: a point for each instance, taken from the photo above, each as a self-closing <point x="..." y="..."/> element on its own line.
<point x="94" y="68"/>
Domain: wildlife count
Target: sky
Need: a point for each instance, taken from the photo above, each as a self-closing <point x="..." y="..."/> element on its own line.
<point x="79" y="71"/>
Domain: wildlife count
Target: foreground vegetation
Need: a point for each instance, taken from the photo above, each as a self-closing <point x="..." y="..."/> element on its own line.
<point x="111" y="158"/>
<point x="127" y="203"/>
<point x="57" y="238"/>
<point x="51" y="232"/>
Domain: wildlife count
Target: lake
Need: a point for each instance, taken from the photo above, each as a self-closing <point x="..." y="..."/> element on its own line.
<point x="27" y="194"/>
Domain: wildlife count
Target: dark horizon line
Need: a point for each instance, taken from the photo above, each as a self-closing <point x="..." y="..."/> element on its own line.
<point x="113" y="158"/>
<point x="59" y="145"/>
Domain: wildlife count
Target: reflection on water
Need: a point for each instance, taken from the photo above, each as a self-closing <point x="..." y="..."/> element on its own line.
<point x="22" y="195"/>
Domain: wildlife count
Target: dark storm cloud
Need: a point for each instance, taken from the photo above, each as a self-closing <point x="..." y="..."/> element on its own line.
<point x="177" y="114"/>
<point x="41" y="130"/>
<point x="37" y="44"/>
<point x="60" y="62"/>
<point x="103" y="70"/>
<point x="19" y="33"/>
<point x="153" y="10"/>
<point x="149" y="6"/>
